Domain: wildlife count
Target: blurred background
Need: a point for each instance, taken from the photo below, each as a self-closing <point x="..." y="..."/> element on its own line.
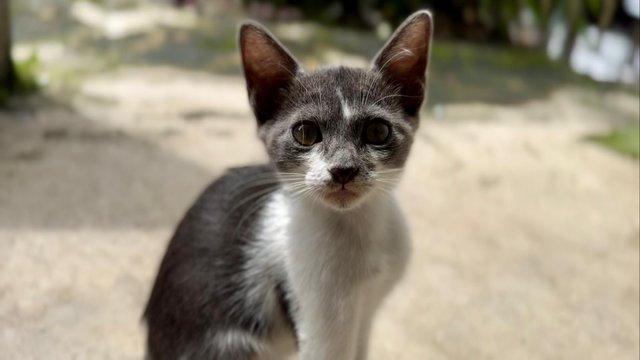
<point x="522" y="190"/>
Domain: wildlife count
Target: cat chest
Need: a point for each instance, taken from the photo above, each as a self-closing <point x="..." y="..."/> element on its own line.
<point x="317" y="247"/>
<point x="341" y="255"/>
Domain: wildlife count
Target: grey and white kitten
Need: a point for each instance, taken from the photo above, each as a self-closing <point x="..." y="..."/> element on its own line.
<point x="298" y="255"/>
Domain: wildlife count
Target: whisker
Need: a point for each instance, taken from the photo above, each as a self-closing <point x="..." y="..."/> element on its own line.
<point x="392" y="96"/>
<point x="260" y="202"/>
<point x="369" y="88"/>
<point x="403" y="52"/>
<point x="257" y="184"/>
<point x="249" y="198"/>
<point x="392" y="169"/>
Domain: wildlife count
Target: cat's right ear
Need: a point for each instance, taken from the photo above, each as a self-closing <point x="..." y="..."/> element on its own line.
<point x="268" y="68"/>
<point x="405" y="57"/>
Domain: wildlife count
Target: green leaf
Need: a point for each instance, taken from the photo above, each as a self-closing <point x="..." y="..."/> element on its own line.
<point x="593" y="6"/>
<point x="625" y="141"/>
<point x="26" y="73"/>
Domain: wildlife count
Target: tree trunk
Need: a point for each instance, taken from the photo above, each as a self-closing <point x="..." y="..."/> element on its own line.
<point x="7" y="72"/>
<point x="575" y="12"/>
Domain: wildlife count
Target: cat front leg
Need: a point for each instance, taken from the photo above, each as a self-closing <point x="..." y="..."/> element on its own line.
<point x="328" y="326"/>
<point x="363" y="338"/>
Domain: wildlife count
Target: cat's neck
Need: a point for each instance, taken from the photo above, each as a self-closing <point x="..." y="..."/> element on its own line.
<point x="361" y="221"/>
<point x="352" y="243"/>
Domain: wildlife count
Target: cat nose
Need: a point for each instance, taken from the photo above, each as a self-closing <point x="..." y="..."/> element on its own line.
<point x="343" y="175"/>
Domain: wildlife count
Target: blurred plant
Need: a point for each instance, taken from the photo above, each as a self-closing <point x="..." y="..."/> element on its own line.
<point x="625" y="141"/>
<point x="27" y="73"/>
<point x="7" y="71"/>
<point x="25" y="79"/>
<point x="459" y="18"/>
<point x="16" y="78"/>
<point x="577" y="14"/>
<point x="352" y="13"/>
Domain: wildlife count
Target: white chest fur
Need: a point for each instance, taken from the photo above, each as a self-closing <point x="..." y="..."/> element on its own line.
<point x="340" y="265"/>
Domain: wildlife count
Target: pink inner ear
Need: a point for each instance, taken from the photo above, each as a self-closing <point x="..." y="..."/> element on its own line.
<point x="404" y="60"/>
<point x="411" y="47"/>
<point x="259" y="53"/>
<point x="268" y="69"/>
<point x="264" y="57"/>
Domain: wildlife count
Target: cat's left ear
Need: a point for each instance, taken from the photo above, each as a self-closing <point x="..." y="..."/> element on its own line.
<point x="405" y="57"/>
<point x="268" y="68"/>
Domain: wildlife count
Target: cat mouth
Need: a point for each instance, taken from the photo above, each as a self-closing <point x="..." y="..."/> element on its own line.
<point x="343" y="197"/>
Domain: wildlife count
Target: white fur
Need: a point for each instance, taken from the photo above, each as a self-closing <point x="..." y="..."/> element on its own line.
<point x="317" y="172"/>
<point x="230" y="339"/>
<point x="346" y="110"/>
<point x="267" y="255"/>
<point x="340" y="265"/>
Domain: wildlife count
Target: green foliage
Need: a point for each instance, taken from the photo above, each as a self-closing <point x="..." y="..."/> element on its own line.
<point x="508" y="75"/>
<point x="494" y="16"/>
<point x="26" y="74"/>
<point x="538" y="9"/>
<point x="593" y="6"/>
<point x="4" y="96"/>
<point x="25" y="78"/>
<point x="625" y="141"/>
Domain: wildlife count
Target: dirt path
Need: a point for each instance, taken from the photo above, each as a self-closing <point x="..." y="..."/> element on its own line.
<point x="526" y="236"/>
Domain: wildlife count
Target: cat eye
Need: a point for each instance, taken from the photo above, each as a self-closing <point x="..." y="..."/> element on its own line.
<point x="306" y="133"/>
<point x="376" y="132"/>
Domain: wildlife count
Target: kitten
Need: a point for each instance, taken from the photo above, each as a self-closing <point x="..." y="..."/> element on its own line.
<point x="298" y="255"/>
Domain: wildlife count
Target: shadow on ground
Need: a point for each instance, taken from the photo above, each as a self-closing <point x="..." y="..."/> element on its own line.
<point x="68" y="172"/>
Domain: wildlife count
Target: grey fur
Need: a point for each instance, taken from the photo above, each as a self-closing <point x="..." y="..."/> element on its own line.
<point x="314" y="96"/>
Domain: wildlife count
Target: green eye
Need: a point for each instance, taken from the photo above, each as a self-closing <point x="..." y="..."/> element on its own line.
<point x="306" y="133"/>
<point x="376" y="132"/>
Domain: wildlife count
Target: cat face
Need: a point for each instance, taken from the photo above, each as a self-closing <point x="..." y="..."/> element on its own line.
<point x="338" y="135"/>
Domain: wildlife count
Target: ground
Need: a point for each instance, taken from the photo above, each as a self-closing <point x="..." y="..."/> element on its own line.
<point x="525" y="234"/>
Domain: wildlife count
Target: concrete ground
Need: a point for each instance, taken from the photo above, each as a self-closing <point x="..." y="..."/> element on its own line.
<point x="525" y="235"/>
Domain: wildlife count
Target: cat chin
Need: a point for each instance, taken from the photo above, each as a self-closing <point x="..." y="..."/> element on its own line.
<point x="344" y="200"/>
